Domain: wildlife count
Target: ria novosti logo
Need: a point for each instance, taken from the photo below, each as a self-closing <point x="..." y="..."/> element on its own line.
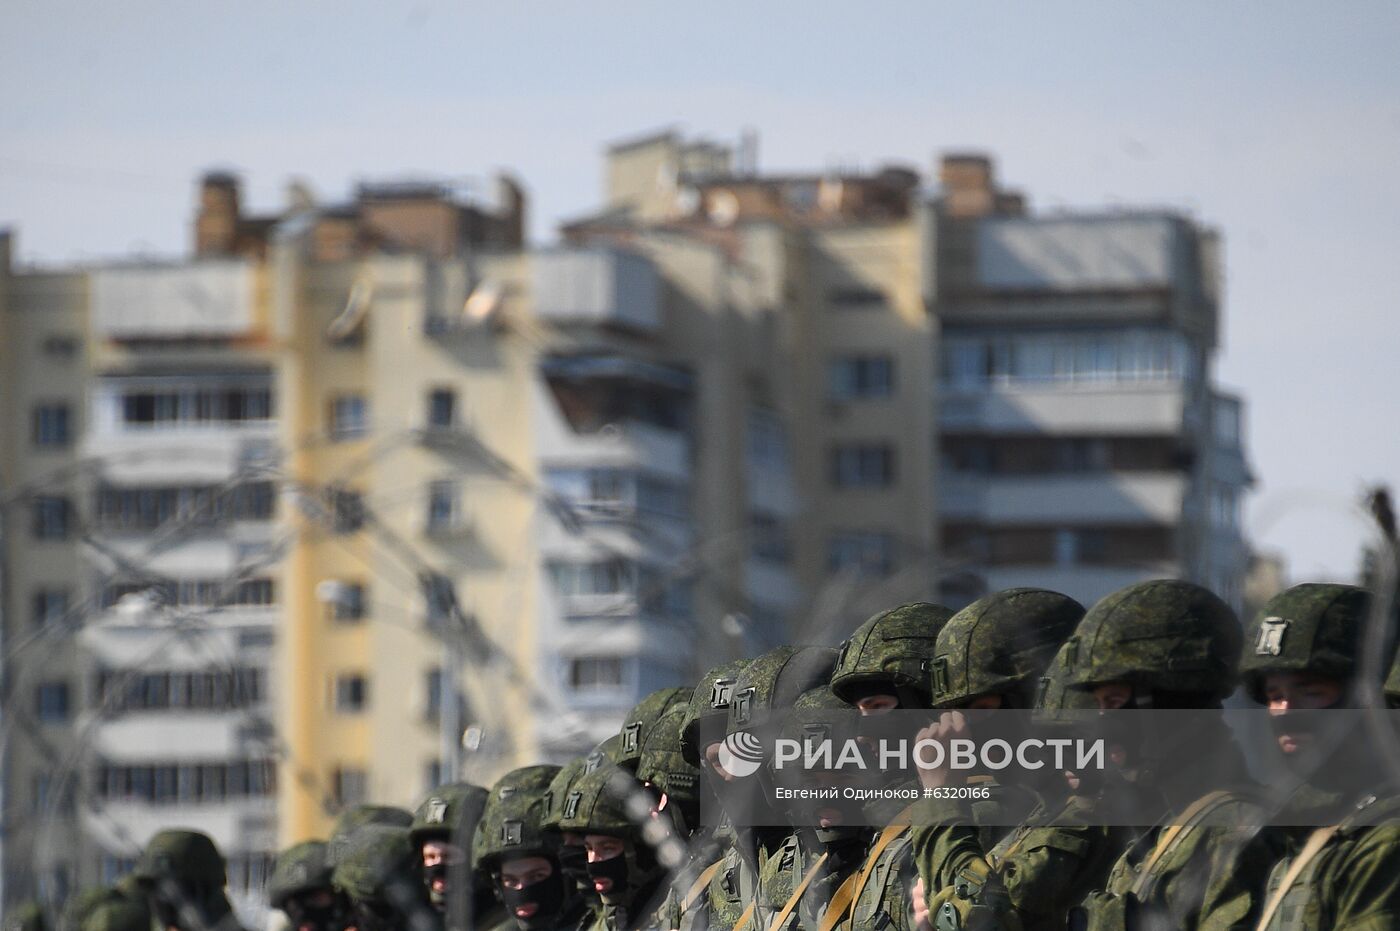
<point x="741" y="754"/>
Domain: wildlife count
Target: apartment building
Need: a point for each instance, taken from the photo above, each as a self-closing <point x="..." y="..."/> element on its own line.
<point x="980" y="396"/>
<point x="1083" y="442"/>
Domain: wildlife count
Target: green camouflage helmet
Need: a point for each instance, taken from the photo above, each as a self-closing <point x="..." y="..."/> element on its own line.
<point x="379" y="866"/>
<point x="664" y="765"/>
<point x="185" y="857"/>
<point x="510" y="823"/>
<point x="999" y="645"/>
<point x="1312" y="628"/>
<point x="596" y="803"/>
<point x="450" y="809"/>
<point x="709" y="704"/>
<point x="818" y="715"/>
<point x="641" y="719"/>
<point x="773" y="681"/>
<point x="1055" y="701"/>
<point x="301" y="868"/>
<point x="358" y="816"/>
<point x="1159" y="636"/>
<point x="608" y="752"/>
<point x="553" y="807"/>
<point x="891" y="654"/>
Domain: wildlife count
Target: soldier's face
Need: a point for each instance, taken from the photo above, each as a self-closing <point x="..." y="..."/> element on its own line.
<point x="1297" y="691"/>
<point x="438" y="852"/>
<point x="525" y="871"/>
<point x="712" y="760"/>
<point x="876" y="704"/>
<point x="1113" y="695"/>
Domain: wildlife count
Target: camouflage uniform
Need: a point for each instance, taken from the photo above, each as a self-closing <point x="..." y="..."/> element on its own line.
<point x="763" y="694"/>
<point x="696" y="900"/>
<point x="802" y="881"/>
<point x="302" y="874"/>
<point x="1345" y="875"/>
<point x="1177" y="646"/>
<point x="450" y="813"/>
<point x="117" y="914"/>
<point x="183" y="875"/>
<point x="573" y="859"/>
<point x="890" y="654"/>
<point x="27" y="917"/>
<point x="609" y="801"/>
<point x="510" y="830"/>
<point x="378" y="872"/>
<point x="1003" y="645"/>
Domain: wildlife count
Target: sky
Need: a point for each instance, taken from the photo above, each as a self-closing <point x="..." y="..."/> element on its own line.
<point x="1277" y="122"/>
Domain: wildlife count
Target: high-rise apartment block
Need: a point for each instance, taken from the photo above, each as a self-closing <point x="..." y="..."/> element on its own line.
<point x="365" y="497"/>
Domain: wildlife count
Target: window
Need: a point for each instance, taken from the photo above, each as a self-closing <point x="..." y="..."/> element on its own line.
<point x="440" y="598"/>
<point x="432" y="694"/>
<point x="50" y="606"/>
<point x="1129" y="355"/>
<point x="862" y="465"/>
<point x="432" y="775"/>
<point x="350" y="786"/>
<point x="855" y="297"/>
<point x="1225" y="507"/>
<point x="347" y="510"/>
<point x="767" y="440"/>
<point x="852" y="378"/>
<point x="349" y="417"/>
<point x="52" y="425"/>
<point x="157" y="408"/>
<point x="442" y="408"/>
<point x="594" y="673"/>
<point x="861" y="552"/>
<point x="170" y="783"/>
<point x="254" y="593"/>
<point x="769" y="538"/>
<point x="253" y="501"/>
<point x="610" y="577"/>
<point x="444" y="506"/>
<point x="349" y="603"/>
<point x="351" y="693"/>
<point x="1226" y="423"/>
<point x="61" y="347"/>
<point x="51" y="518"/>
<point x="51" y="702"/>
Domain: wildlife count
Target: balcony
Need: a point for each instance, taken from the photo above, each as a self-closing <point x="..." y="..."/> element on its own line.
<point x="1094" y="497"/>
<point x="1084" y="409"/>
<point x="601" y="287"/>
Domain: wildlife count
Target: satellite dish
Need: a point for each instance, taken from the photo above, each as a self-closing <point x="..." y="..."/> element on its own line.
<point x="483" y="304"/>
<point x="356" y="309"/>
<point x="724" y="208"/>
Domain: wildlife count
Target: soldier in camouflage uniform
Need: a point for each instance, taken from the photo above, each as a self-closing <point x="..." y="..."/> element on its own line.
<point x="609" y="809"/>
<point x="520" y="859"/>
<point x="300" y="886"/>
<point x="884" y="666"/>
<point x="378" y="873"/>
<point x="1172" y="645"/>
<point x="696" y="900"/>
<point x="80" y="906"/>
<point x="1301" y="655"/>
<point x="762" y="697"/>
<point x="442" y="832"/>
<point x="183" y="876"/>
<point x="993" y="654"/>
<point x="814" y="873"/>
<point x="573" y="858"/>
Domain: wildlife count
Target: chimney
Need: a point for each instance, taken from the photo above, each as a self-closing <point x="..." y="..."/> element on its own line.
<point x="216" y="224"/>
<point x="511" y="202"/>
<point x="969" y="185"/>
